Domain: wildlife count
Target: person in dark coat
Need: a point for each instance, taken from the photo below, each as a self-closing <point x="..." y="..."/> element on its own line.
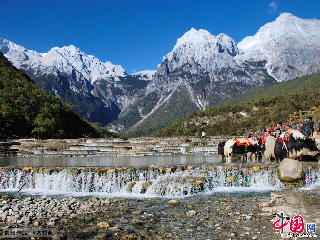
<point x="303" y="129"/>
<point x="250" y="134"/>
<point x="309" y="126"/>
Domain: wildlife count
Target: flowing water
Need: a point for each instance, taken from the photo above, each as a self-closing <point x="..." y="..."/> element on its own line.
<point x="142" y="177"/>
<point x="110" y="161"/>
<point x="144" y="197"/>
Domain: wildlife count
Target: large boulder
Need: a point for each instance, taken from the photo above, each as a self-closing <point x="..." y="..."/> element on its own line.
<point x="290" y="170"/>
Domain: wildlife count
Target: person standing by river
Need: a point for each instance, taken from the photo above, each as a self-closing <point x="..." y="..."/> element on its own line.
<point x="309" y="126"/>
<point x="277" y="129"/>
<point x="250" y="134"/>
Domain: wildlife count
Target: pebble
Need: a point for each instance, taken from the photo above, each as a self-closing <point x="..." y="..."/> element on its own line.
<point x="191" y="213"/>
<point x="200" y="217"/>
<point x="231" y="235"/>
<point x="173" y="202"/>
<point x="103" y="224"/>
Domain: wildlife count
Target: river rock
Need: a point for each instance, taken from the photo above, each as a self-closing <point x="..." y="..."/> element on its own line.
<point x="3" y="216"/>
<point x="290" y="170"/>
<point x="191" y="213"/>
<point x="103" y="224"/>
<point x="12" y="219"/>
<point x="173" y="202"/>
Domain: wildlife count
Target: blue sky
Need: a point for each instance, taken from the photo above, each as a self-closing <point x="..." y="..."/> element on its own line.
<point x="135" y="34"/>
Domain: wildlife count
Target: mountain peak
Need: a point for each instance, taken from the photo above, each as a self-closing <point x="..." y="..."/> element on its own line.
<point x="64" y="59"/>
<point x="6" y="46"/>
<point x="285" y="16"/>
<point x="146" y="75"/>
<point x="286" y="27"/>
<point x="66" y="50"/>
<point x="193" y="36"/>
<point x="202" y="47"/>
<point x="285" y="20"/>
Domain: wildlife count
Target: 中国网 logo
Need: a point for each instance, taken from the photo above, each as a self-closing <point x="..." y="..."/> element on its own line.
<point x="297" y="226"/>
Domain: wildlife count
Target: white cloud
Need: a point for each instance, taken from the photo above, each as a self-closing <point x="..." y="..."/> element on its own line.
<point x="273" y="7"/>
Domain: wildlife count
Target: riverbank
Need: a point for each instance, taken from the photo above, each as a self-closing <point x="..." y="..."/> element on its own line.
<point x="219" y="216"/>
<point x="238" y="215"/>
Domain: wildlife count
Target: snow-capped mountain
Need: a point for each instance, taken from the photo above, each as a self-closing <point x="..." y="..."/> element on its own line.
<point x="201" y="47"/>
<point x="201" y="71"/>
<point x="77" y="78"/>
<point x="286" y="28"/>
<point x="206" y="53"/>
<point x="66" y="59"/>
<point x="290" y="45"/>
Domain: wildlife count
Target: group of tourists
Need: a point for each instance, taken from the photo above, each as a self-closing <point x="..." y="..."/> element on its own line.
<point x="306" y="128"/>
<point x="273" y="131"/>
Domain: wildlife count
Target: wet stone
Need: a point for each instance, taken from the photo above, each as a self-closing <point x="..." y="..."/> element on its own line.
<point x="200" y="217"/>
<point x="173" y="202"/>
<point x="191" y="213"/>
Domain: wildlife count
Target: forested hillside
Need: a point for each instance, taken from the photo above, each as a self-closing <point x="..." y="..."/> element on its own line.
<point x="256" y="110"/>
<point x="27" y="111"/>
<point x="277" y="89"/>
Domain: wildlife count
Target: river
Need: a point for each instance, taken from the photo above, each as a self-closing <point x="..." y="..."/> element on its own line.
<point x="110" y="161"/>
<point x="140" y="176"/>
<point x="147" y="197"/>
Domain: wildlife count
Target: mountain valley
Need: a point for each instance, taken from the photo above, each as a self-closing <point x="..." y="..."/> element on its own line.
<point x="201" y="71"/>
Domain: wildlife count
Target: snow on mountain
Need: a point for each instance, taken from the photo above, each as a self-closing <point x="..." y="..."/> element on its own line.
<point x="201" y="47"/>
<point x="68" y="59"/>
<point x="17" y="54"/>
<point x="201" y="71"/>
<point x="290" y="45"/>
<point x="146" y="75"/>
<point x="286" y="28"/>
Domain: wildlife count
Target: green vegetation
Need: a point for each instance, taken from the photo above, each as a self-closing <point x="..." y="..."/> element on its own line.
<point x="277" y="89"/>
<point x="27" y="111"/>
<point x="256" y="110"/>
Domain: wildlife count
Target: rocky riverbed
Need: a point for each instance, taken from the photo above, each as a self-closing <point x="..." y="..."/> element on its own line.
<point x="235" y="212"/>
<point x="218" y="216"/>
<point x="196" y="213"/>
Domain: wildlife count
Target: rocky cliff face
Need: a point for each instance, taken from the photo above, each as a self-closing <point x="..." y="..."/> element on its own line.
<point x="201" y="71"/>
<point x="97" y="91"/>
<point x="290" y="45"/>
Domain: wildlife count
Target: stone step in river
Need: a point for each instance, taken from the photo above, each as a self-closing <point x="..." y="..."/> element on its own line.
<point x="149" y="181"/>
<point x="118" y="146"/>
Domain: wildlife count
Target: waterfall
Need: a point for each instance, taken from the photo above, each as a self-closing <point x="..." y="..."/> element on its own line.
<point x="148" y="182"/>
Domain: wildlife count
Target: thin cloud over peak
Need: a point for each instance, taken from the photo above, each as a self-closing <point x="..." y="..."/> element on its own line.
<point x="273" y="7"/>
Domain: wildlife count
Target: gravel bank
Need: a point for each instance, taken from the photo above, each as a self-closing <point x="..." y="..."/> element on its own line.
<point x="218" y="216"/>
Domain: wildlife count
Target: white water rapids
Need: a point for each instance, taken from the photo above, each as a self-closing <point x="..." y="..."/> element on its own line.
<point x="144" y="183"/>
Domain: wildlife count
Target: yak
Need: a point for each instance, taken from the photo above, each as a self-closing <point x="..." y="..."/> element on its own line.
<point x="292" y="144"/>
<point x="245" y="148"/>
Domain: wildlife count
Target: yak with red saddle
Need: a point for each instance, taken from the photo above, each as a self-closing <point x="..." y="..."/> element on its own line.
<point x="292" y="144"/>
<point x="245" y="149"/>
